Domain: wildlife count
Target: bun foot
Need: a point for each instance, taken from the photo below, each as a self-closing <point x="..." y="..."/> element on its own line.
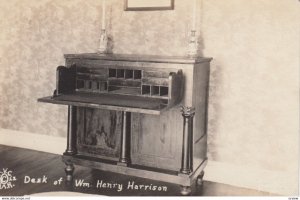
<point x="186" y="190"/>
<point x="69" y="171"/>
<point x="199" y="180"/>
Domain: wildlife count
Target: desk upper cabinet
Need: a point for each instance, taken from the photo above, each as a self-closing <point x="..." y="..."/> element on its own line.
<point x="137" y="115"/>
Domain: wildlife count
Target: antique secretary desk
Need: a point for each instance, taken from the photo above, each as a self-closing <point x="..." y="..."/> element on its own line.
<point x="137" y="115"/>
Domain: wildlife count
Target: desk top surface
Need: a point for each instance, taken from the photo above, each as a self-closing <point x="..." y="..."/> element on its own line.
<point x="139" y="58"/>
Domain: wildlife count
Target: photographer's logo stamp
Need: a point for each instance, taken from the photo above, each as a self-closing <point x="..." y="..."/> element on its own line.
<point x="6" y="179"/>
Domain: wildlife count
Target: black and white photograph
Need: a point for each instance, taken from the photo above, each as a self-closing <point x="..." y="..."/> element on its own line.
<point x="164" y="98"/>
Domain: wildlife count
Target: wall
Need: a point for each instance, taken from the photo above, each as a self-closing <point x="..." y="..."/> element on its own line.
<point x="253" y="109"/>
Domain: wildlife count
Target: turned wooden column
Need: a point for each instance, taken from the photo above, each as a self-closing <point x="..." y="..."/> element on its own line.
<point x="71" y="139"/>
<point x="187" y="145"/>
<point x="125" y="139"/>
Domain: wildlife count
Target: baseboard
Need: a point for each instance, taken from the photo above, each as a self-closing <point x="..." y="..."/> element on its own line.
<point x="45" y="143"/>
<point x="275" y="182"/>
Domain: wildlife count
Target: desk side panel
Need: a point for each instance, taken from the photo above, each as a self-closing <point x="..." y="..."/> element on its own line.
<point x="200" y="102"/>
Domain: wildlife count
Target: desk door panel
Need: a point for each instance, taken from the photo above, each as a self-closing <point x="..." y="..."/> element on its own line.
<point x="155" y="140"/>
<point x="99" y="132"/>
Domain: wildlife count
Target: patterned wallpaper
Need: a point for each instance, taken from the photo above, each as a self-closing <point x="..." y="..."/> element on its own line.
<point x="34" y="36"/>
<point x="253" y="107"/>
<point x="36" y="33"/>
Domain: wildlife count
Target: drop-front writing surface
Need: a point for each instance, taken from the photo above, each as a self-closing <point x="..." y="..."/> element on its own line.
<point x="136" y="115"/>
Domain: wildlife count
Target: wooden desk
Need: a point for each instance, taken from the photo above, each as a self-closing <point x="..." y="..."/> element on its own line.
<point x="137" y="115"/>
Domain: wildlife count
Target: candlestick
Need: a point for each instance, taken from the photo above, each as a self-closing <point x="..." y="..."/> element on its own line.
<point x="194" y="21"/>
<point x="103" y="15"/>
<point x="103" y="42"/>
<point x="193" y="44"/>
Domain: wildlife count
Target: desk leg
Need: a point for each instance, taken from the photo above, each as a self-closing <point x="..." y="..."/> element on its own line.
<point x="124" y="159"/>
<point x="71" y="140"/>
<point x="187" y="147"/>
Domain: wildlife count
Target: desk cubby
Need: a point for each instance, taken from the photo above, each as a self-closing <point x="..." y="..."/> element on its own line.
<point x="122" y="81"/>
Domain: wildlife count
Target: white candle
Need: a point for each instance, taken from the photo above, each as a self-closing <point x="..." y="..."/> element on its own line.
<point x="103" y="14"/>
<point x="194" y="21"/>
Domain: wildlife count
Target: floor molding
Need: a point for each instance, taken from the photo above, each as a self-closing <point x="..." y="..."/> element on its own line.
<point x="275" y="182"/>
<point x="45" y="143"/>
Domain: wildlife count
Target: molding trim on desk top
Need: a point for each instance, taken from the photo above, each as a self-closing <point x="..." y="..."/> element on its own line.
<point x="275" y="182"/>
<point x="140" y="58"/>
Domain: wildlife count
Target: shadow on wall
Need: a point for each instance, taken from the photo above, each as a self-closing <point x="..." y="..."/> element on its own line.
<point x="214" y="109"/>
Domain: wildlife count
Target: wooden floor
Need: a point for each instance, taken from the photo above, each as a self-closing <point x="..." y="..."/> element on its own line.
<point x="24" y="162"/>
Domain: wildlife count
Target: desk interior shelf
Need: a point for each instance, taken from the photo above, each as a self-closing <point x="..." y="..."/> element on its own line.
<point x="119" y="88"/>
